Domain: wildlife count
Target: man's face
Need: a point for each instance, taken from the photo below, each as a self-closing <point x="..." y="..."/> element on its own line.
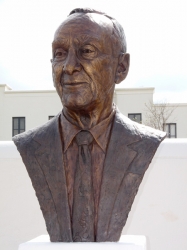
<point x="83" y="63"/>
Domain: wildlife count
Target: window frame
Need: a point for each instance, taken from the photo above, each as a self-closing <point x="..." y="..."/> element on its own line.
<point x="135" y="115"/>
<point x="13" y="129"/>
<point x="168" y="135"/>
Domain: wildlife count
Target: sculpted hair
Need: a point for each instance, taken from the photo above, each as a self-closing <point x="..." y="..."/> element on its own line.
<point x="119" y="39"/>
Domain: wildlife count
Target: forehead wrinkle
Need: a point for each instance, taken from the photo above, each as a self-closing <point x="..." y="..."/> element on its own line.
<point x="83" y="29"/>
<point x="85" y="37"/>
<point x="89" y="23"/>
<point x="59" y="42"/>
<point x="88" y="39"/>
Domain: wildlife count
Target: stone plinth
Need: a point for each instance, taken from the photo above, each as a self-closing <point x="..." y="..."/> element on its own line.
<point x="127" y="242"/>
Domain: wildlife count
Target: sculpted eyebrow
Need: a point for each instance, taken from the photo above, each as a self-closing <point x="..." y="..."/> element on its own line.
<point x="82" y="39"/>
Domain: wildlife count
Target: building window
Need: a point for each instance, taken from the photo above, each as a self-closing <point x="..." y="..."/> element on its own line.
<point x="136" y="117"/>
<point x="18" y="125"/>
<point x="51" y="116"/>
<point x="171" y="129"/>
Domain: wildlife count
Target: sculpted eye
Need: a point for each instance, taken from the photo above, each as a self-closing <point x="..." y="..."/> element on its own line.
<point x="60" y="54"/>
<point x="88" y="52"/>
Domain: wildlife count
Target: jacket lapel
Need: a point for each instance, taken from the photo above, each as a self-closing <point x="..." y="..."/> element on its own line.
<point x="118" y="158"/>
<point x="50" y="158"/>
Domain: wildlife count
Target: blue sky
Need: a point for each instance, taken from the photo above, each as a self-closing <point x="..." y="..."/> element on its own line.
<point x="156" y="32"/>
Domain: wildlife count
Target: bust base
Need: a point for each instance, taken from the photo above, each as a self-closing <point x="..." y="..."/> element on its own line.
<point x="126" y="242"/>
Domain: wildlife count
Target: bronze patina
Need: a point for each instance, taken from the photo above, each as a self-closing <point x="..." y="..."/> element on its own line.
<point x="86" y="164"/>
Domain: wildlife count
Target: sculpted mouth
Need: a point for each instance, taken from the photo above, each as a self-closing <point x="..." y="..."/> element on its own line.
<point x="73" y="83"/>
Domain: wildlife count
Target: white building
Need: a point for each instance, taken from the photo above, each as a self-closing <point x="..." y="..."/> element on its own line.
<point x="23" y="110"/>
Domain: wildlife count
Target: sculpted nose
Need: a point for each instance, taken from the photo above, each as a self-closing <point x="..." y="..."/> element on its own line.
<point x="72" y="64"/>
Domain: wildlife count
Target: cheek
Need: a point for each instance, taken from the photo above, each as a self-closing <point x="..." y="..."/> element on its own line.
<point x="100" y="70"/>
<point x="108" y="73"/>
<point x="96" y="65"/>
<point x="57" y="72"/>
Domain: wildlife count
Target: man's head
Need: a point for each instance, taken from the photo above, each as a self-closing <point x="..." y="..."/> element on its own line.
<point x="89" y="57"/>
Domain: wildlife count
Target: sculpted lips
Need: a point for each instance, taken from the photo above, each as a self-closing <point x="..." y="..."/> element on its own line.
<point x="73" y="83"/>
<point x="74" y="80"/>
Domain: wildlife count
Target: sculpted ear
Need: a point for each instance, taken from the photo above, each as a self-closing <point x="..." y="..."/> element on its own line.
<point x="122" y="68"/>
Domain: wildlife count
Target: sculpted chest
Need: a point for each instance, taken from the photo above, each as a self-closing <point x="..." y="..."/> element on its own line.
<point x="127" y="158"/>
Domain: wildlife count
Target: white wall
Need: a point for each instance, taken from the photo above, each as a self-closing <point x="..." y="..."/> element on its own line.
<point x="35" y="106"/>
<point x="179" y="116"/>
<point x="159" y="210"/>
<point x="20" y="215"/>
<point x="132" y="100"/>
<point x="3" y="88"/>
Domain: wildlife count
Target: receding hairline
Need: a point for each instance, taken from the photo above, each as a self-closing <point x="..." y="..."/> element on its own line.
<point x="117" y="27"/>
<point x="92" y="17"/>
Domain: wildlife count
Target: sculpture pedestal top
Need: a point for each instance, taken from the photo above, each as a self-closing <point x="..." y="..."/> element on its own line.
<point x="127" y="242"/>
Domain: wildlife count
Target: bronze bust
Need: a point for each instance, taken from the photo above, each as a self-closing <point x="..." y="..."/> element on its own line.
<point x="87" y="163"/>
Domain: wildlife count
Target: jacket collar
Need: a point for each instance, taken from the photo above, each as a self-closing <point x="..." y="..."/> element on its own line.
<point x="119" y="157"/>
<point x="100" y="132"/>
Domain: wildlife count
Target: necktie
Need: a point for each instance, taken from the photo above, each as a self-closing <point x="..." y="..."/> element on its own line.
<point x="83" y="200"/>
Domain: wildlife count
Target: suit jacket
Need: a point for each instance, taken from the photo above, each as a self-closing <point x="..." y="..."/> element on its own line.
<point x="130" y="150"/>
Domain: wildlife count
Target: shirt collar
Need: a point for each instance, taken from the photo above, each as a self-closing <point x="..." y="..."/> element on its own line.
<point x="100" y="132"/>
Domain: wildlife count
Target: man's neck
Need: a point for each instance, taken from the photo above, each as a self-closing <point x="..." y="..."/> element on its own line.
<point x="87" y="119"/>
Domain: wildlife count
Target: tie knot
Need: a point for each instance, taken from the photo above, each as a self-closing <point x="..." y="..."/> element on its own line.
<point x="84" y="138"/>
